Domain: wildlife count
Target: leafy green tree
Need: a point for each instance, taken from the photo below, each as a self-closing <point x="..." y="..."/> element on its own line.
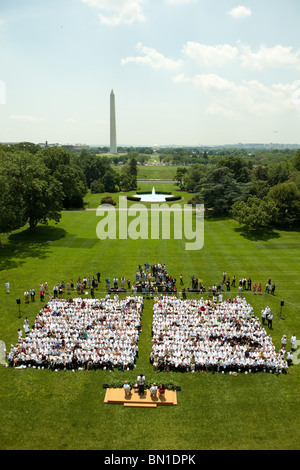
<point x="259" y="188"/>
<point x="65" y="169"/>
<point x="238" y="166"/>
<point x="28" y="147"/>
<point x="11" y="216"/>
<point x="218" y="190"/>
<point x="97" y="187"/>
<point x="260" y="172"/>
<point x="110" y="181"/>
<point x="144" y="158"/>
<point x="128" y="182"/>
<point x="194" y="175"/>
<point x="133" y="165"/>
<point x="279" y="172"/>
<point x="94" y="167"/>
<point x="255" y="212"/>
<point x="295" y="178"/>
<point x="296" y="160"/>
<point x="35" y="193"/>
<point x="287" y="199"/>
<point x="180" y="176"/>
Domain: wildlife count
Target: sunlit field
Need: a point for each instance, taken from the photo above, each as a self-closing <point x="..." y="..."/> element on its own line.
<point x="44" y="409"/>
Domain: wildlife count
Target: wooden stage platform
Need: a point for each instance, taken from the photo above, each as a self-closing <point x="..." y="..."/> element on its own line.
<point x="117" y="396"/>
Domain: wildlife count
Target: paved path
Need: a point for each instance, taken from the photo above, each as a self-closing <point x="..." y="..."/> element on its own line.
<point x="103" y="207"/>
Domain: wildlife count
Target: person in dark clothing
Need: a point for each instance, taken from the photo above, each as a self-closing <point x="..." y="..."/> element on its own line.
<point x="273" y="289"/>
<point x="141" y="384"/>
<point x="270" y="320"/>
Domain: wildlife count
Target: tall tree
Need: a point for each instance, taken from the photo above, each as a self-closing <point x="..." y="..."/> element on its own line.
<point x="94" y="167"/>
<point x="287" y="199"/>
<point x="279" y="172"/>
<point x="180" y="176"/>
<point x="255" y="212"/>
<point x="296" y="160"/>
<point x="133" y="171"/>
<point x="65" y="169"/>
<point x="110" y="181"/>
<point x="11" y="216"/>
<point x="218" y="190"/>
<point x="128" y="182"/>
<point x="238" y="166"/>
<point x="36" y="195"/>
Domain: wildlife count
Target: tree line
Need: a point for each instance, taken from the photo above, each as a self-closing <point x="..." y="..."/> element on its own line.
<point x="256" y="195"/>
<point x="36" y="183"/>
<point x="259" y="190"/>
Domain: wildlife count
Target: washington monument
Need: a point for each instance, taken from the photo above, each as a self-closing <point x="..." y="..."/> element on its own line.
<point x="113" y="133"/>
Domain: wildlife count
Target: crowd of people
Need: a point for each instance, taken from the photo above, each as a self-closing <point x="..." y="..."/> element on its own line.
<point x="243" y="284"/>
<point x="212" y="334"/>
<point x="82" y="333"/>
<point x="82" y="286"/>
<point x="150" y="280"/>
<point x="201" y="335"/>
<point x="139" y="386"/>
<point x="153" y="279"/>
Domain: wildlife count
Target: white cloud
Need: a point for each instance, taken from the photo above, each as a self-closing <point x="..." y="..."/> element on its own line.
<point x="240" y="12"/>
<point x="115" y="12"/>
<point x="25" y="118"/>
<point x="153" y="59"/>
<point x="210" y="55"/>
<point x="270" y="57"/>
<point x="2" y="92"/>
<point x="252" y="97"/>
<point x="222" y="54"/>
<point x="207" y="82"/>
<point x="180" y="2"/>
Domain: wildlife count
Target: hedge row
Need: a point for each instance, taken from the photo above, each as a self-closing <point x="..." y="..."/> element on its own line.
<point x="173" y="198"/>
<point x="132" y="198"/>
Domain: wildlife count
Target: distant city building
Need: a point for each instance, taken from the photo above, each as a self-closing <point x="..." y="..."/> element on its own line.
<point x="113" y="132"/>
<point x="77" y="147"/>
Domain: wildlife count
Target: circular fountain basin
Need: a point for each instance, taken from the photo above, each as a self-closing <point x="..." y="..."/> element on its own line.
<point x="153" y="197"/>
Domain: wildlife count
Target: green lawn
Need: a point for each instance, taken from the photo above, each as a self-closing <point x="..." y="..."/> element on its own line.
<point x="93" y="200"/>
<point x="41" y="409"/>
<point x="157" y="171"/>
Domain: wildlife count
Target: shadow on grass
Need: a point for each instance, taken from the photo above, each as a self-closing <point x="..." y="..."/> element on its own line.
<point x="257" y="235"/>
<point x="23" y="244"/>
<point x="212" y="217"/>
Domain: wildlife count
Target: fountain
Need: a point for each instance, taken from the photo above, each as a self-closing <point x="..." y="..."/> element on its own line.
<point x="153" y="197"/>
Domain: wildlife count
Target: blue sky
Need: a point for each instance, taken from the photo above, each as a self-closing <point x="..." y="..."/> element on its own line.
<point x="184" y="72"/>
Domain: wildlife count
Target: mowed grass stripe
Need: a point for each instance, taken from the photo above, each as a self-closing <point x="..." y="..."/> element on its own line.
<point x="47" y="410"/>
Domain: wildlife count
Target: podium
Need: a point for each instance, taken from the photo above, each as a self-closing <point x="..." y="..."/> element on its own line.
<point x="117" y="396"/>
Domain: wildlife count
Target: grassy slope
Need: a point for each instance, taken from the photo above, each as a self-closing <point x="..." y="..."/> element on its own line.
<point x="48" y="410"/>
<point x="157" y="172"/>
